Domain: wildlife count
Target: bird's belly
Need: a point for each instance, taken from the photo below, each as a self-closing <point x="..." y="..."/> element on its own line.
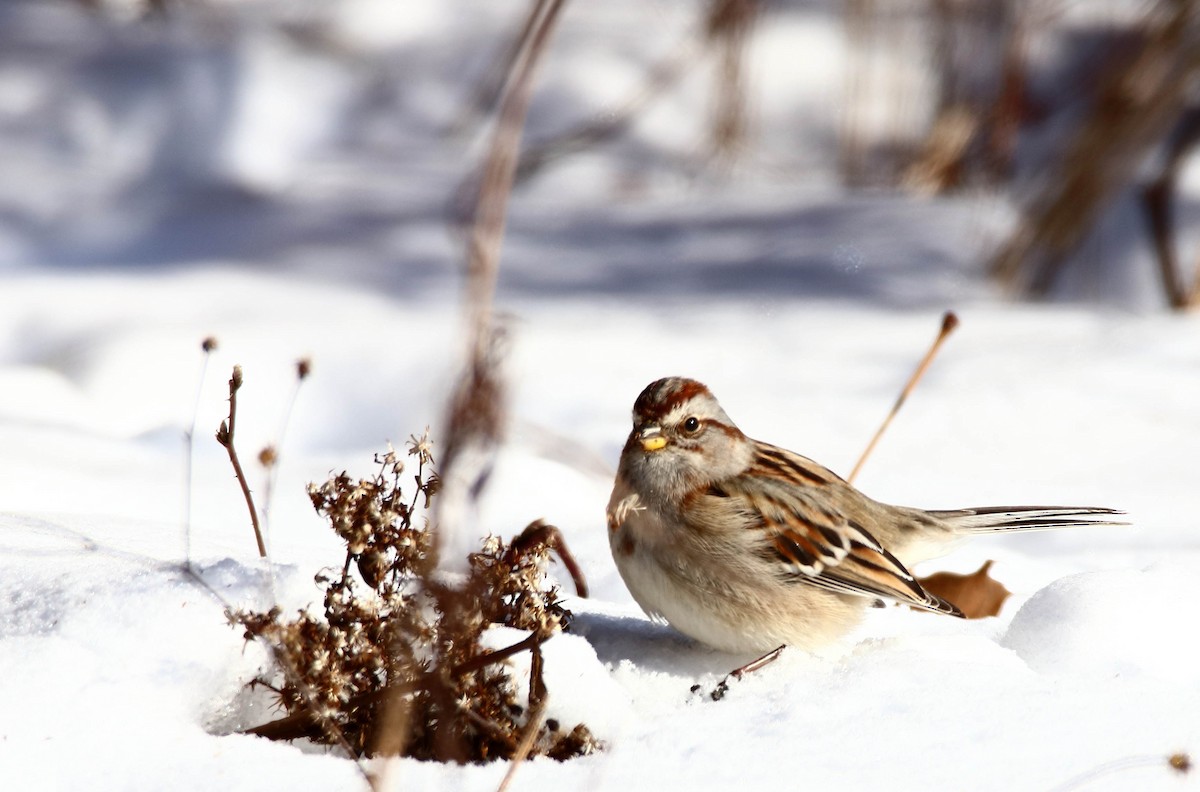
<point x="731" y="614"/>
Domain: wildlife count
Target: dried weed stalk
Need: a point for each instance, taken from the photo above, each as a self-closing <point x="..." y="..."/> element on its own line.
<point x="397" y="662"/>
<point x="225" y="438"/>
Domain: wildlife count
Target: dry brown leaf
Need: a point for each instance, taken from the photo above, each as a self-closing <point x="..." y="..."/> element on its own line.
<point x="977" y="595"/>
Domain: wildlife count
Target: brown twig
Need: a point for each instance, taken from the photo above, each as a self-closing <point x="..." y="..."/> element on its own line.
<point x="225" y="438"/>
<point x="476" y="406"/>
<point x="478" y="662"/>
<point x="490" y="212"/>
<point x="539" y="532"/>
<point x="949" y="322"/>
<point x="726" y="27"/>
<point x="537" y="711"/>
<point x="487" y="93"/>
<point x="532" y="727"/>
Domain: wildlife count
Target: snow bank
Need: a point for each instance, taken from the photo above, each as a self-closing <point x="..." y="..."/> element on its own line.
<point x="1120" y="623"/>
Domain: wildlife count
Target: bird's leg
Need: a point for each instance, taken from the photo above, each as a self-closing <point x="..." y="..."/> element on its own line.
<point x="722" y="687"/>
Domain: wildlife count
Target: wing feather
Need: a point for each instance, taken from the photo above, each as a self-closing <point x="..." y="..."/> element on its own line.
<point x="819" y="545"/>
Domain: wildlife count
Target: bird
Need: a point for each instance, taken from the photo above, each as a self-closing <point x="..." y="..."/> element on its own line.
<point x="746" y="546"/>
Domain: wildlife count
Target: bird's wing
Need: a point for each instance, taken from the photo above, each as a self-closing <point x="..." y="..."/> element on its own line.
<point x="801" y="508"/>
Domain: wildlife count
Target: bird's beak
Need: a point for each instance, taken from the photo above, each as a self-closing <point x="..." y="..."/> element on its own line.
<point x="652" y="438"/>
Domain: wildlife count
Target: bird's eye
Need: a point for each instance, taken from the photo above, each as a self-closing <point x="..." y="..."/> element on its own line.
<point x="691" y="425"/>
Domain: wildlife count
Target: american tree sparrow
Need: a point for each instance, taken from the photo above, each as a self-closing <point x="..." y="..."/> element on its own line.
<point x="746" y="546"/>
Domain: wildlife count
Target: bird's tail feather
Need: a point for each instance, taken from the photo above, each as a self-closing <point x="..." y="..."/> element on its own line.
<point x="997" y="519"/>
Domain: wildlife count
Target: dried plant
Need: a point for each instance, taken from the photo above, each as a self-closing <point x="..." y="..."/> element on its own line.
<point x="225" y="438"/>
<point x="397" y="662"/>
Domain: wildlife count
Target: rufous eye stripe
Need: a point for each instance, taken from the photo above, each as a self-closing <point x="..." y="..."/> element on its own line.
<point x="726" y="429"/>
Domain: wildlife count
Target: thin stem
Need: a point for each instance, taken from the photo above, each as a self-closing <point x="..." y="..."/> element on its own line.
<point x="225" y="438"/>
<point x="271" y="455"/>
<point x="482" y="661"/>
<point x="532" y="727"/>
<point x="539" y="532"/>
<point x="207" y="346"/>
<point x="1178" y="762"/>
<point x="949" y="322"/>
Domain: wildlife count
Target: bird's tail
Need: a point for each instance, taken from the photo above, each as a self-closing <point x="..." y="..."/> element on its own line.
<point x="998" y="519"/>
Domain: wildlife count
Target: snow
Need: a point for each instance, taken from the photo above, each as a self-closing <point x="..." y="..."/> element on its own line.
<point x="303" y="214"/>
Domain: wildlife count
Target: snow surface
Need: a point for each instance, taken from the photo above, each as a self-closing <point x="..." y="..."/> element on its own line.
<point x="206" y="178"/>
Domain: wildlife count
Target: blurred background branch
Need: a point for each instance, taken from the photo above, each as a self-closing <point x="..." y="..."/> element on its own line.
<point x="1061" y="110"/>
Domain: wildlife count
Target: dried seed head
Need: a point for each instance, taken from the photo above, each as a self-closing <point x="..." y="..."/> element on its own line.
<point x="421" y="447"/>
<point x="303" y="368"/>
<point x="268" y="456"/>
<point x="209" y="344"/>
<point x="404" y="630"/>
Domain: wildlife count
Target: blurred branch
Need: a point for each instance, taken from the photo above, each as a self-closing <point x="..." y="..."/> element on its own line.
<point x="662" y="77"/>
<point x="860" y="15"/>
<point x="475" y="408"/>
<point x="727" y="25"/>
<point x="1139" y="98"/>
<point x="490" y="210"/>
<point x="488" y="92"/>
<point x="476" y="405"/>
<point x="1157" y="202"/>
